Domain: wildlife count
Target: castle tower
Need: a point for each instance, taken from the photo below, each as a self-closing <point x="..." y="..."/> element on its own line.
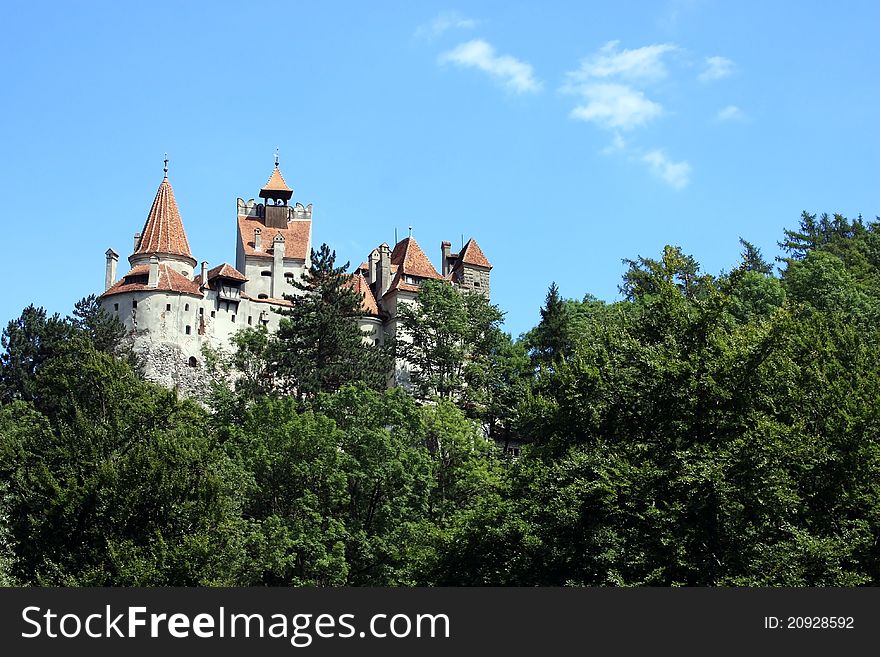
<point x="276" y="191"/>
<point x="274" y="241"/>
<point x="163" y="235"/>
<point x="469" y="269"/>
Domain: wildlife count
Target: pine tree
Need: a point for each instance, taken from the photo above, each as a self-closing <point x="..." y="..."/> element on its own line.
<point x="550" y="339"/>
<point x="319" y="346"/>
<point x="752" y="258"/>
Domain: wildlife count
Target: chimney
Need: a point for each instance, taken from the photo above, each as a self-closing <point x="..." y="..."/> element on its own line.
<point x="110" y="274"/>
<point x="153" y="280"/>
<point x="444" y="257"/>
<point x="204" y="274"/>
<point x="383" y="276"/>
<point x="137" y="238"/>
<point x="374" y="264"/>
<point x="258" y="239"/>
<point x="277" y="266"/>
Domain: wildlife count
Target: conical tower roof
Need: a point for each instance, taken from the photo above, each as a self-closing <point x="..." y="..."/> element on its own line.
<point x="276" y="187"/>
<point x="163" y="231"/>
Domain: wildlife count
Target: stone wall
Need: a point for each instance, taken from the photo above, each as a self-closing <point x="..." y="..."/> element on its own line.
<point x="167" y="365"/>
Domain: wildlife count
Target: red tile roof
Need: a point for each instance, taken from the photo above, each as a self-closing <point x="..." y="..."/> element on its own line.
<point x="276" y="182"/>
<point x="359" y="284"/>
<point x="163" y="231"/>
<point x="170" y="280"/>
<point x="472" y="254"/>
<point x="270" y="300"/>
<point x="409" y="256"/>
<point x="226" y="271"/>
<point x="297" y="237"/>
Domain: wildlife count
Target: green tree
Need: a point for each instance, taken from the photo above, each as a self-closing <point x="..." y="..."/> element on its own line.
<point x="319" y="346"/>
<point x="113" y="481"/>
<point x="752" y="260"/>
<point x="389" y="477"/>
<point x="28" y="343"/>
<point x="295" y="494"/>
<point x="551" y="338"/>
<point x="448" y="339"/>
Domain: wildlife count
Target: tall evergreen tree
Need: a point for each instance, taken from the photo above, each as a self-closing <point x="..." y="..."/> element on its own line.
<point x="752" y="260"/>
<point x="319" y="346"/>
<point x="550" y="339"/>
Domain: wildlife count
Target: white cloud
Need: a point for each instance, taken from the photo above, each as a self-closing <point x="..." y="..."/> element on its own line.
<point x="516" y="75"/>
<point x="443" y="22"/>
<point x="730" y="113"/>
<point x="640" y="64"/>
<point x="615" y="106"/>
<point x="618" y="144"/>
<point x="676" y="174"/>
<point x="715" y="68"/>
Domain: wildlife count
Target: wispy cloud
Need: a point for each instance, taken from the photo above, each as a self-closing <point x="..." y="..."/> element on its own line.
<point x="609" y="82"/>
<point x="730" y="113"/>
<point x="618" y="144"/>
<point x="715" y="68"/>
<point x="443" y="22"/>
<point x="514" y="74"/>
<point x="615" y="106"/>
<point x="676" y="174"/>
<point x="643" y="64"/>
<point x="613" y="86"/>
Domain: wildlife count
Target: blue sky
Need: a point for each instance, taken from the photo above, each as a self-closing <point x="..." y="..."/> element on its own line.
<point x="562" y="136"/>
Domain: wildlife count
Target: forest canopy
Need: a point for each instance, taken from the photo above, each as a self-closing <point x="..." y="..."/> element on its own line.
<point x="706" y="429"/>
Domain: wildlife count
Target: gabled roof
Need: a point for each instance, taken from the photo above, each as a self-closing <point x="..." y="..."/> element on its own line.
<point x="472" y="254"/>
<point x="360" y="285"/>
<point x="163" y="231"/>
<point x="412" y="261"/>
<point x="226" y="271"/>
<point x="170" y="280"/>
<point x="297" y="237"/>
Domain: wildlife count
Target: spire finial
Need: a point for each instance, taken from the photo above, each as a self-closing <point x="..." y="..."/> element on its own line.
<point x="165" y="169"/>
<point x="276" y="157"/>
<point x="410" y="231"/>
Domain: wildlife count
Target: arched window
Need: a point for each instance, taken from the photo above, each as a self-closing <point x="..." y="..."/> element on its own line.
<point x="193" y="362"/>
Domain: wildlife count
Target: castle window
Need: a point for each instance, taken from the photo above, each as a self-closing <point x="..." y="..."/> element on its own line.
<point x="288" y="274"/>
<point x="265" y="273"/>
<point x="213" y="314"/>
<point x="262" y="296"/>
<point x="188" y="330"/>
<point x="193" y="362"/>
<point x="202" y="312"/>
<point x="116" y="307"/>
<point x="134" y="303"/>
<point x="186" y="308"/>
<point x="476" y="283"/>
<point x="233" y="319"/>
<point x="167" y="306"/>
<point x="250" y="320"/>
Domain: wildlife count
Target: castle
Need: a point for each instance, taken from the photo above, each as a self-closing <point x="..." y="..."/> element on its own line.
<point x="171" y="306"/>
